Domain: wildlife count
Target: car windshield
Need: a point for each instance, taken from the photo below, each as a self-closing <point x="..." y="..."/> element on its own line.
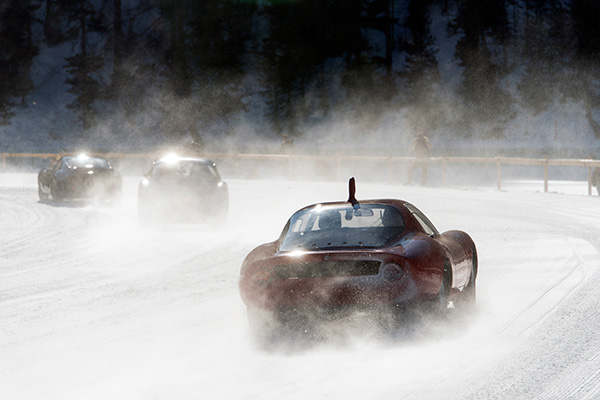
<point x="322" y="227"/>
<point x="86" y="162"/>
<point x="185" y="169"/>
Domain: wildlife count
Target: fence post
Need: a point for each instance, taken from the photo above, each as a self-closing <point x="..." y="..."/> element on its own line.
<point x="589" y="180"/>
<point x="545" y="163"/>
<point x="498" y="173"/>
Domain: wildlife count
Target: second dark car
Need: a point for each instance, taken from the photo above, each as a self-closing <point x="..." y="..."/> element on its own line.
<point x="182" y="189"/>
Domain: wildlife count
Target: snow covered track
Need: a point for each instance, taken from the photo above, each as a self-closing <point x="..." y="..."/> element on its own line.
<point x="93" y="306"/>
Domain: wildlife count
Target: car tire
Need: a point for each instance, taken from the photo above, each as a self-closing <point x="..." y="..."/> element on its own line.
<point x="143" y="215"/>
<point x="115" y="197"/>
<point x="468" y="297"/>
<point x="55" y="192"/>
<point x="444" y="293"/>
<point x="439" y="304"/>
<point x="220" y="216"/>
<point x="43" y="196"/>
<point x="263" y="325"/>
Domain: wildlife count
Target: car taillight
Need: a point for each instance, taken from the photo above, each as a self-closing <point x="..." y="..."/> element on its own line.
<point x="392" y="272"/>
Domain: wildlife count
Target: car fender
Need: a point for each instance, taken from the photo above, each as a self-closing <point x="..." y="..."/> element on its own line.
<point x="425" y="258"/>
<point x="460" y="249"/>
<point x="261" y="252"/>
<point x="43" y="181"/>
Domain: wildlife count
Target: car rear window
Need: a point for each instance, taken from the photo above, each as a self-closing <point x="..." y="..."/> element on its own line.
<point x="322" y="227"/>
<point x="86" y="162"/>
<point x="185" y="169"/>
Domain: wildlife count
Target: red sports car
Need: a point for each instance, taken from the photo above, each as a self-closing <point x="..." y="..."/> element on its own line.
<point x="374" y="255"/>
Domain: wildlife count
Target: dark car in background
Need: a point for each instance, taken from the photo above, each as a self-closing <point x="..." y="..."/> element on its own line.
<point x="182" y="189"/>
<point x="80" y="177"/>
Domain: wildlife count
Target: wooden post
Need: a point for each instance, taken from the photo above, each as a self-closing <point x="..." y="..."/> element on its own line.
<point x="589" y="180"/>
<point x="545" y="163"/>
<point x="498" y="173"/>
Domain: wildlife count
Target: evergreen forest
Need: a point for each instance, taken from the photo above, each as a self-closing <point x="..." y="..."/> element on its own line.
<point x="295" y="63"/>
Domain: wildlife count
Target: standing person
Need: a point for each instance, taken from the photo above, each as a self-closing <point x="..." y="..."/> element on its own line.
<point x="287" y="144"/>
<point x="420" y="149"/>
<point x="195" y="148"/>
<point x="596" y="179"/>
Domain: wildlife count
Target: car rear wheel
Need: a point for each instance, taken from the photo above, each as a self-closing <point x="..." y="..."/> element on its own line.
<point x="145" y="216"/>
<point x="439" y="304"/>
<point x="55" y="192"/>
<point x="115" y="196"/>
<point x="469" y="294"/>
<point x="43" y="196"/>
<point x="263" y="326"/>
<point x="444" y="293"/>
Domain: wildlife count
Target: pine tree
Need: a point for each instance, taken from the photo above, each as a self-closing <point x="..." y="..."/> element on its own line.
<point x="421" y="72"/>
<point x="483" y="26"/>
<point x="217" y="37"/>
<point x="584" y="86"/>
<point x="83" y="66"/>
<point x="17" y="51"/>
<point x="177" y="56"/>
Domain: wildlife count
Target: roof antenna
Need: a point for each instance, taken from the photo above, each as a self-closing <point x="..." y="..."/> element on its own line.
<point x="352" y="192"/>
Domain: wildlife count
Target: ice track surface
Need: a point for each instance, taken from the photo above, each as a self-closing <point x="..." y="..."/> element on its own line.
<point x="94" y="306"/>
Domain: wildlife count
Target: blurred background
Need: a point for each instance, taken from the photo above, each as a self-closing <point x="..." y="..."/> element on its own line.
<point x="479" y="77"/>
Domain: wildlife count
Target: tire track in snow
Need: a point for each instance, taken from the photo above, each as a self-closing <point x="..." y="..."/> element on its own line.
<point x="514" y="375"/>
<point x="157" y="313"/>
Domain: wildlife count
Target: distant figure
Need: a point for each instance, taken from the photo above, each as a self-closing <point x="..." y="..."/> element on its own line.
<point x="596" y="179"/>
<point x="195" y="148"/>
<point x="287" y="144"/>
<point x="54" y="160"/>
<point x="420" y="149"/>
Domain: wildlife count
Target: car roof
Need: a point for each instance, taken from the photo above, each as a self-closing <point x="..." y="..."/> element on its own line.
<point x="97" y="161"/>
<point x="187" y="159"/>
<point x="71" y="156"/>
<point x="391" y="202"/>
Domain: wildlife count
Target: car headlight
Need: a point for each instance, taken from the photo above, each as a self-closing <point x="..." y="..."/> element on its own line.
<point x="145" y="182"/>
<point x="392" y="272"/>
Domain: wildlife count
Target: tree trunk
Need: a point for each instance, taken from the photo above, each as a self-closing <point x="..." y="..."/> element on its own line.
<point x="118" y="75"/>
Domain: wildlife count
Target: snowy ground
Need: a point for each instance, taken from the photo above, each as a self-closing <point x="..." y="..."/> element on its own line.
<point x="93" y="306"/>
